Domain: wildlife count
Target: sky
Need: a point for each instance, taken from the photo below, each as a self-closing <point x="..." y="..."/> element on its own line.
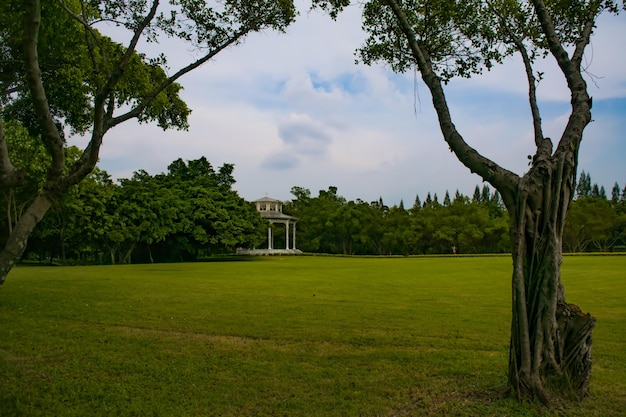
<point x="295" y="109"/>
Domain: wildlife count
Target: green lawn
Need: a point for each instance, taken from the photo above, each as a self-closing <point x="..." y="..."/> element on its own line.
<point x="287" y="336"/>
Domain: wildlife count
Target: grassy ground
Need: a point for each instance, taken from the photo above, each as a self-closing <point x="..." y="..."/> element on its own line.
<point x="287" y="336"/>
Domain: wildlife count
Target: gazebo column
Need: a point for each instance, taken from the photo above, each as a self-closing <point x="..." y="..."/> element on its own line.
<point x="269" y="237"/>
<point x="287" y="234"/>
<point x="294" y="236"/>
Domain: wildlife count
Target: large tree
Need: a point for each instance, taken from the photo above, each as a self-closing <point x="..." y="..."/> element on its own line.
<point x="550" y="345"/>
<point x="61" y="75"/>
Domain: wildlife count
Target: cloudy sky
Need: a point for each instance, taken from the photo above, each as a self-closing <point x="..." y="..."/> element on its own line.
<point x="295" y="110"/>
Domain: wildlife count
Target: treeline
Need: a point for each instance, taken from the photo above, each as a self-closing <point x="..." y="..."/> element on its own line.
<point x="595" y="221"/>
<point x="329" y="223"/>
<point x="191" y="211"/>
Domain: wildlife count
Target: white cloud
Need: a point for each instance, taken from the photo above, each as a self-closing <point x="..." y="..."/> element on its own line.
<point x="293" y="109"/>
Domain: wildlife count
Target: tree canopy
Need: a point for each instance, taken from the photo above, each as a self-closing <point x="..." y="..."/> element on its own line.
<point x="189" y="212"/>
<point x="61" y="75"/>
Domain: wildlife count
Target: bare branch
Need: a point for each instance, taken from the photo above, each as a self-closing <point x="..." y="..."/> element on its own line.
<point x="503" y="180"/>
<point x="585" y="35"/>
<point x="530" y="76"/>
<point x="569" y="66"/>
<point x="581" y="103"/>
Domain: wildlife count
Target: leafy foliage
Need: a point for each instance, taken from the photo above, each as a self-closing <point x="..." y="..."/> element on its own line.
<point x="188" y="212"/>
<point x="60" y="74"/>
<point x="330" y="224"/>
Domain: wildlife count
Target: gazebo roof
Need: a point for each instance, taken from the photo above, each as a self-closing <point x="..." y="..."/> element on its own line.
<point x="267" y="199"/>
<point x="276" y="215"/>
<point x="273" y="214"/>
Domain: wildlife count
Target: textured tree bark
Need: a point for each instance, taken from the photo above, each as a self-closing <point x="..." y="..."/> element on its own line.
<point x="56" y="182"/>
<point x="16" y="244"/>
<point x="550" y="350"/>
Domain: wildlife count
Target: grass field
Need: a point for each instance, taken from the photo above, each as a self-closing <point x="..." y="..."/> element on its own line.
<point x="287" y="336"/>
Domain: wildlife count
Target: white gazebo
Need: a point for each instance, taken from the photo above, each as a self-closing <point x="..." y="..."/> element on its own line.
<point x="272" y="210"/>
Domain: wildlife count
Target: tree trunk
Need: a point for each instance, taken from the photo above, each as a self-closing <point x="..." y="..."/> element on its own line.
<point x="125" y="258"/>
<point x="550" y="348"/>
<point x="62" y="248"/>
<point x="16" y="244"/>
<point x="112" y="252"/>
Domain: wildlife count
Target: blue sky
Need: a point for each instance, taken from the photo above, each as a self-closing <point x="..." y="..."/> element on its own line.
<point x="294" y="110"/>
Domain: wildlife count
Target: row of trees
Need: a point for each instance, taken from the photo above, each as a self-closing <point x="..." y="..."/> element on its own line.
<point x="191" y="211"/>
<point x="329" y="223"/>
<point x="188" y="212"/>
<point x="595" y="221"/>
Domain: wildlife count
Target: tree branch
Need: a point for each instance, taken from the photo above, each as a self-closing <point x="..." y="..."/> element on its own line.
<point x="581" y="103"/>
<point x="50" y="133"/>
<point x="585" y="35"/>
<point x="78" y="18"/>
<point x="130" y="50"/>
<point x="503" y="180"/>
<point x="554" y="43"/>
<point x="89" y="158"/>
<point x="136" y="111"/>
<point x="530" y="77"/>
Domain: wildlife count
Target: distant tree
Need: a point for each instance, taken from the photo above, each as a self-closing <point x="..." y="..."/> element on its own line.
<point x="458" y="195"/>
<point x="418" y="204"/>
<point x="459" y="227"/>
<point x="379" y="205"/>
<point x="576" y="237"/>
<point x="210" y="216"/>
<point x="422" y="226"/>
<point x="485" y="195"/>
<point x="428" y="201"/>
<point x="60" y="74"/>
<point x="348" y="228"/>
<point x="583" y="189"/>
<point x="303" y="195"/>
<point x="615" y="193"/>
<point x="595" y="191"/>
<point x="316" y="232"/>
<point x="396" y="232"/>
<point x="476" y="197"/>
<point x="149" y="208"/>
<point x="59" y="233"/>
<point x="495" y="199"/>
<point x="446" y="199"/>
<point x="595" y="223"/>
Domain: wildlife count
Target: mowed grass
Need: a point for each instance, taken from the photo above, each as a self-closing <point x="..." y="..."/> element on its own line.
<point x="287" y="336"/>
